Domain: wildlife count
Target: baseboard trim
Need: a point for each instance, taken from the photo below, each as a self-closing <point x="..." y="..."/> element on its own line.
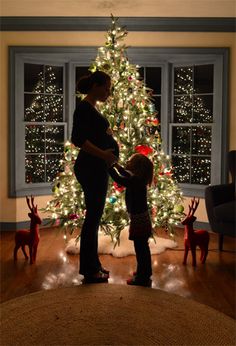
<point x="14" y="226"/>
<point x="199" y="225"/>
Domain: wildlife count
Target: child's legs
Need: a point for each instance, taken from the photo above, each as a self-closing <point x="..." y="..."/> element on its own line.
<point x="143" y="256"/>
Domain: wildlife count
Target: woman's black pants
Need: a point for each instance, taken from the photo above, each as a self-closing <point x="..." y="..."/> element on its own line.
<point x="94" y="184"/>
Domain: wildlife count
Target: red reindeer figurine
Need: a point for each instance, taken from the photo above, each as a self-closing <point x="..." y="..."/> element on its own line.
<point x="193" y="238"/>
<point x="29" y="237"/>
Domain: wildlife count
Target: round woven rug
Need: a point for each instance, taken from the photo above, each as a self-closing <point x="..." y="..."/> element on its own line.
<point x="106" y="314"/>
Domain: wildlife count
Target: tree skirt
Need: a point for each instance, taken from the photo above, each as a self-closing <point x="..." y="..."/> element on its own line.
<point x="126" y="247"/>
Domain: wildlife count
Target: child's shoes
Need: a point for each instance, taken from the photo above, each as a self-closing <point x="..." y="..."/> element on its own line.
<point x="105" y="271"/>
<point x="139" y="282"/>
<point x="98" y="277"/>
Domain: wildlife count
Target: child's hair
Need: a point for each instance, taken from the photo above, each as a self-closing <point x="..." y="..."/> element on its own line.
<point x="142" y="167"/>
<point x="85" y="83"/>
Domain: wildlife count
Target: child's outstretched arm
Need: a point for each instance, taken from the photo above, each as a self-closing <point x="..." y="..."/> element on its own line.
<point x="121" y="170"/>
<point x="120" y="175"/>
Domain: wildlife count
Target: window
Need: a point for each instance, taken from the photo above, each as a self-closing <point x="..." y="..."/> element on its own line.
<point x="43" y="121"/>
<point x="191" y="131"/>
<point x="152" y="77"/>
<point x="189" y="93"/>
<point x="192" y="106"/>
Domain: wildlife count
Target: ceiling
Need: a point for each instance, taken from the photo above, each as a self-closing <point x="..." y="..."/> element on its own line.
<point x="120" y="8"/>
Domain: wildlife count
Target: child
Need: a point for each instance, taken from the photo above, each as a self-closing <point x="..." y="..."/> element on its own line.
<point x="137" y="175"/>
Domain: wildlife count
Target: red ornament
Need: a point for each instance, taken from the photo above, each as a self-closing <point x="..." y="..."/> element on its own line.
<point x="155" y="122"/>
<point x="118" y="187"/>
<point x="143" y="149"/>
<point x="169" y="173"/>
<point x="154" y="211"/>
<point x="155" y="180"/>
<point x="152" y="122"/>
<point x="57" y="222"/>
<point x="122" y="125"/>
<point x="73" y="216"/>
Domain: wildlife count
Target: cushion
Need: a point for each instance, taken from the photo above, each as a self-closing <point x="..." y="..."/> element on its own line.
<point x="225" y="212"/>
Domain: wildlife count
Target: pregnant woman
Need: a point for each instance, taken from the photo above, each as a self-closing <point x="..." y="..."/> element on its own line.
<point x="98" y="151"/>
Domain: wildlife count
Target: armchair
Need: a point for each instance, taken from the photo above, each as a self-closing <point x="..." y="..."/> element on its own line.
<point x="221" y="205"/>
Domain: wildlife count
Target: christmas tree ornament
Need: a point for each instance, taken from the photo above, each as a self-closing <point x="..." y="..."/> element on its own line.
<point x="118" y="187"/>
<point x="73" y="216"/>
<point x="143" y="149"/>
<point x="112" y="199"/>
<point x="155" y="122"/>
<point x="178" y="209"/>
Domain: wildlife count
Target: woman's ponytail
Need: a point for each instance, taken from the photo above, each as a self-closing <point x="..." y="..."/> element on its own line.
<point x="85" y="83"/>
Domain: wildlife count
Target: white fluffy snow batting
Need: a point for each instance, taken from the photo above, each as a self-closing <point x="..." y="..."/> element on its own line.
<point x="126" y="247"/>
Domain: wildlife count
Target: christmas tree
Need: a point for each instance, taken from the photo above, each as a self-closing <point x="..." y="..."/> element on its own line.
<point x="136" y="128"/>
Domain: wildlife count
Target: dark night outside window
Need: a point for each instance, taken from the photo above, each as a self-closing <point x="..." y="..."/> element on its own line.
<point x="80" y="71"/>
<point x="192" y="124"/>
<point x="43" y="113"/>
<point x="152" y="79"/>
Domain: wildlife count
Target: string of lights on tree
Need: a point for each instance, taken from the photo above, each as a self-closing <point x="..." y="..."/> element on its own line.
<point x="135" y="126"/>
<point x="43" y="104"/>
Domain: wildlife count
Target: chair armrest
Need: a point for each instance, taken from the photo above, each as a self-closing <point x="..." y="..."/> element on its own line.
<point x="219" y="194"/>
<point x="216" y="195"/>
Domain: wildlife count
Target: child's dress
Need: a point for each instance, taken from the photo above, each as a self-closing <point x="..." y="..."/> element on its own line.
<point x="136" y="202"/>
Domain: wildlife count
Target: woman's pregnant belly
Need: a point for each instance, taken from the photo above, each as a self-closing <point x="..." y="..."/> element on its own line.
<point x="112" y="143"/>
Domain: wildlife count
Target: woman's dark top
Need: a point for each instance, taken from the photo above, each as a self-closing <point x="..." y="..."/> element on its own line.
<point x="136" y="190"/>
<point x="89" y="124"/>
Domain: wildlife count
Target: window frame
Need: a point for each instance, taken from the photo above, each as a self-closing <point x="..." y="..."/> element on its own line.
<point x="20" y="140"/>
<point x="21" y="188"/>
<point x="190" y="189"/>
<point x="142" y="56"/>
<point x="169" y="58"/>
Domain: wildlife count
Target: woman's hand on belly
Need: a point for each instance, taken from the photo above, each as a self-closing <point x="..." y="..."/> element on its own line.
<point x="109" y="157"/>
<point x="109" y="131"/>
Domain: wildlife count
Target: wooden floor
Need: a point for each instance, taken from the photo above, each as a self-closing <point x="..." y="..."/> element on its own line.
<point x="212" y="284"/>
